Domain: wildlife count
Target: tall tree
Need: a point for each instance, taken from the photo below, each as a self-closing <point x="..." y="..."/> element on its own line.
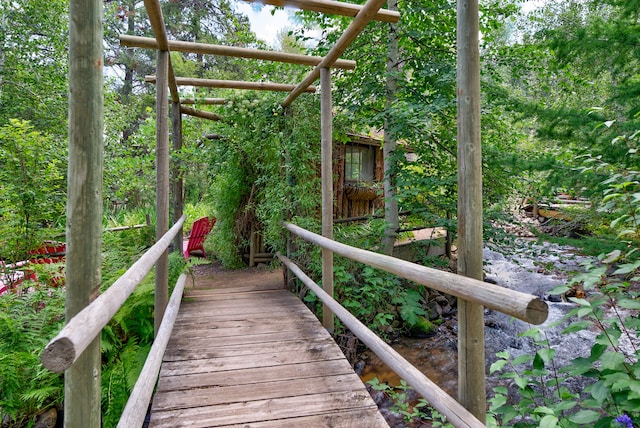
<point x="561" y="71"/>
<point x="33" y="63"/>
<point x="390" y="201"/>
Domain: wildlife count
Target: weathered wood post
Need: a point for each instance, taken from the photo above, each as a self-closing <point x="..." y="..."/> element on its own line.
<point x="327" y="190"/>
<point x="84" y="203"/>
<point x="162" y="184"/>
<point x="471" y="364"/>
<point x="178" y="202"/>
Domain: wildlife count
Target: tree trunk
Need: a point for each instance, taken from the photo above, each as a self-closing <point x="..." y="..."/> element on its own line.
<point x="389" y="147"/>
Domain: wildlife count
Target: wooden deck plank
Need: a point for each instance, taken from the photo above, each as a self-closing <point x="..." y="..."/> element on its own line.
<point x="358" y="418"/>
<point x="256" y="375"/>
<point x="244" y="352"/>
<point x="265" y="410"/>
<point x="215" y="395"/>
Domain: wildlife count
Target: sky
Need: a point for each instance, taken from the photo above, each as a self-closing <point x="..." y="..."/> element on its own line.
<point x="265" y="25"/>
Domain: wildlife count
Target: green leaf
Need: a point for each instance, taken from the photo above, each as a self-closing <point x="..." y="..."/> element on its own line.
<point x="599" y="391"/>
<point x="498" y="401"/>
<point x="543" y="410"/>
<point x="627" y="268"/>
<point x="565" y="405"/>
<point x="521" y="382"/>
<point x="581" y="302"/>
<point x="521" y="359"/>
<point x="549" y="421"/>
<point x="538" y="362"/>
<point x="503" y="354"/>
<point x="612" y="360"/>
<point x="584" y="417"/>
<point x="577" y="326"/>
<point x="497" y="366"/>
<point x="629" y="303"/>
<point x="596" y="352"/>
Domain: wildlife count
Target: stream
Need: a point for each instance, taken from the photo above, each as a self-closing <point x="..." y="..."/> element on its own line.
<point x="530" y="268"/>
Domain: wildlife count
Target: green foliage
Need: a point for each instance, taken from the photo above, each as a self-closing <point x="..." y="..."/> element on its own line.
<point x="411" y="412"/>
<point x="33" y="64"/>
<point x="610" y="309"/>
<point x="264" y="171"/>
<point x="381" y="300"/>
<point x="28" y="319"/>
<point x="127" y="338"/>
<point x="32" y="171"/>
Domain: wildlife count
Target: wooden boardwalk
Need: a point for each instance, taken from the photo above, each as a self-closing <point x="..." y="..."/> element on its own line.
<point x="246" y="353"/>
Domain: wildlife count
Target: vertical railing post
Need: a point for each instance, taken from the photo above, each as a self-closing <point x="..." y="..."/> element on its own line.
<point x="84" y="202"/>
<point x="327" y="190"/>
<point x="471" y="364"/>
<point x="178" y="202"/>
<point x="162" y="183"/>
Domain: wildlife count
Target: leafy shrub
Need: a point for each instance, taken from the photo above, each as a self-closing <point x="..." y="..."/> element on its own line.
<point x="611" y="372"/>
<point x="28" y="319"/>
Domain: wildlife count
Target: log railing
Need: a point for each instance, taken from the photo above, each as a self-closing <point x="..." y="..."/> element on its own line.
<point x="64" y="349"/>
<point x="524" y="306"/>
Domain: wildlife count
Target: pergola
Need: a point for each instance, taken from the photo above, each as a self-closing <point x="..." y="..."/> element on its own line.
<point x="84" y="212"/>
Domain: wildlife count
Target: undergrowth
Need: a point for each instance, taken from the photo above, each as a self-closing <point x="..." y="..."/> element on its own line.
<point x="33" y="315"/>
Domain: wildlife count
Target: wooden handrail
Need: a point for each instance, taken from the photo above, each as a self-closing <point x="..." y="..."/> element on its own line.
<point x="523" y="306"/>
<point x="136" y="409"/>
<point x="64" y="349"/>
<point x="440" y="400"/>
<point x="121" y="228"/>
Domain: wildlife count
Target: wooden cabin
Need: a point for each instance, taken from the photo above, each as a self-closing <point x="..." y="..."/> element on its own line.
<point x="358" y="172"/>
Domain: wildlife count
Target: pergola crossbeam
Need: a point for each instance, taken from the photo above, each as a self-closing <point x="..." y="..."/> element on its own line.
<point x="364" y="16"/>
<point x="334" y="8"/>
<point x="199" y="113"/>
<point x="233" y="51"/>
<point x="233" y="84"/>
<point x="205" y="101"/>
<point x="160" y="32"/>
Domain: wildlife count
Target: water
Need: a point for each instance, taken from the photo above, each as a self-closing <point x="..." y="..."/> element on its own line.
<point x="534" y="269"/>
<point x="530" y="268"/>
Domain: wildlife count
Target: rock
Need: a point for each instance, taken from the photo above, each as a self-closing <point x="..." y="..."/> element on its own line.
<point x="47" y="419"/>
<point x="553" y="298"/>
<point x="423" y="328"/>
<point x="434" y="310"/>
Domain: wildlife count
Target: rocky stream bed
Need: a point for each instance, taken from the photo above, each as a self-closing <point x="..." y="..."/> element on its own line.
<point x="527" y="267"/>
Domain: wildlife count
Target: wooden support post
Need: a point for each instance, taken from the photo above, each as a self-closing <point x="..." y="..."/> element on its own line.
<point x="162" y="184"/>
<point x="178" y="201"/>
<point x="327" y="190"/>
<point x="84" y="203"/>
<point x="471" y="363"/>
<point x="252" y="246"/>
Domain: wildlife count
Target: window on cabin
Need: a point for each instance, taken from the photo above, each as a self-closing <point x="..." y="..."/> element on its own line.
<point x="359" y="164"/>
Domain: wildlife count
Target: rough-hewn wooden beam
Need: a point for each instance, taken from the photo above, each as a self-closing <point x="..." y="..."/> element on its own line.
<point x="209" y="49"/>
<point x="160" y="32"/>
<point x="199" y="113"/>
<point x="161" y="296"/>
<point x="84" y="203"/>
<point x="471" y="352"/>
<point x="333" y="7"/>
<point x="326" y="153"/>
<point x="205" y="101"/>
<point x="233" y="84"/>
<point x="363" y="17"/>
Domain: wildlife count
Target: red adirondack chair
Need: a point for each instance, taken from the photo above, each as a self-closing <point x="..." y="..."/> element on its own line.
<point x="199" y="232"/>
